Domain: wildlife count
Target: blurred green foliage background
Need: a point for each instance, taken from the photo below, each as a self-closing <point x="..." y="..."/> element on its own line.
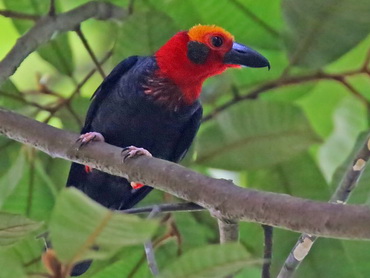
<point x="288" y="130"/>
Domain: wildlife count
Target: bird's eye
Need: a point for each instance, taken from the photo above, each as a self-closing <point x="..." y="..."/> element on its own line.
<point x="217" y="41"/>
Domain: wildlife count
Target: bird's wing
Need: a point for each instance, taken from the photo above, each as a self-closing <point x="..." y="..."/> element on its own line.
<point x="106" y="86"/>
<point x="188" y="134"/>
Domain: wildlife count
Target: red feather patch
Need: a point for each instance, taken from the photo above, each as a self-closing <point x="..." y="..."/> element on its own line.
<point x="88" y="169"/>
<point x="136" y="185"/>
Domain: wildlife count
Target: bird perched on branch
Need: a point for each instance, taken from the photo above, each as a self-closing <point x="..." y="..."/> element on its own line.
<point x="149" y="106"/>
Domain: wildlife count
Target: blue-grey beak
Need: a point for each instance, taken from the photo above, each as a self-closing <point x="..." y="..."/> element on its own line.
<point x="242" y="55"/>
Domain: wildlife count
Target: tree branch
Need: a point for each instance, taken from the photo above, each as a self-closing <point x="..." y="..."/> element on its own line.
<point x="47" y="26"/>
<point x="287" y="81"/>
<point x="340" y="196"/>
<point x="229" y="231"/>
<point x="17" y="15"/>
<point x="52" y="8"/>
<point x="232" y="202"/>
<point x="267" y="250"/>
<point x="148" y="246"/>
<point x="175" y="207"/>
<point x="90" y="51"/>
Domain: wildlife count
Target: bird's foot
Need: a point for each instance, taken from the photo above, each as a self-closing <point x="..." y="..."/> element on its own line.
<point x="130" y="152"/>
<point x="88" y="137"/>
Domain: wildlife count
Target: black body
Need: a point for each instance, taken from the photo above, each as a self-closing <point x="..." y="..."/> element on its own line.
<point x="126" y="115"/>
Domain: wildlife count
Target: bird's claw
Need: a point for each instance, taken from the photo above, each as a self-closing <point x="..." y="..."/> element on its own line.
<point x="88" y="137"/>
<point x="132" y="151"/>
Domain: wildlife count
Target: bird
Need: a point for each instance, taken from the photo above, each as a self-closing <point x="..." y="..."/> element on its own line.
<point x="149" y="105"/>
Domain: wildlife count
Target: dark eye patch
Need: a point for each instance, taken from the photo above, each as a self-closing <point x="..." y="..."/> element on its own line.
<point x="197" y="52"/>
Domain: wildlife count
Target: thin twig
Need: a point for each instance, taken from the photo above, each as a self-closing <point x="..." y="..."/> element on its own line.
<point x="229" y="232"/>
<point x="253" y="94"/>
<point x="367" y="62"/>
<point x="20" y="98"/>
<point x="68" y="100"/>
<point x="18" y="15"/>
<point x="177" y="207"/>
<point x="148" y="246"/>
<point x="74" y="114"/>
<point x="52" y="8"/>
<point x="31" y="181"/>
<point x="90" y="51"/>
<point x="130" y="8"/>
<point x="267" y="252"/>
<point x="255" y="18"/>
<point x="340" y="196"/>
<point x="156" y="243"/>
<point x="46" y="28"/>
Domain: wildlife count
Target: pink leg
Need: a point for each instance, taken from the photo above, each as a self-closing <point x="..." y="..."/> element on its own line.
<point x="90" y="136"/>
<point x="86" y="138"/>
<point x="131" y="152"/>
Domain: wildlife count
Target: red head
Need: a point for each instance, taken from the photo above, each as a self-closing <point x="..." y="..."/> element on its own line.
<point x="190" y="57"/>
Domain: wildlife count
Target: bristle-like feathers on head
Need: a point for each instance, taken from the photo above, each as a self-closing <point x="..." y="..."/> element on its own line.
<point x="199" y="32"/>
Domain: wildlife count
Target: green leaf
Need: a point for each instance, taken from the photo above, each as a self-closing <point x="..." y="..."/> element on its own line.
<point x="14" y="227"/>
<point x="254" y="134"/>
<point x="244" y="19"/>
<point x="209" y="261"/>
<point x="58" y="51"/>
<point x="12" y="97"/>
<point x="349" y="121"/>
<point x="80" y="228"/>
<point x="46" y="178"/>
<point x="123" y="267"/>
<point x="155" y="28"/>
<point x="299" y="176"/>
<point x="10" y="265"/>
<point x="12" y="178"/>
<point x="320" y="31"/>
<point x="31" y="195"/>
<point x="21" y="258"/>
<point x="320" y="103"/>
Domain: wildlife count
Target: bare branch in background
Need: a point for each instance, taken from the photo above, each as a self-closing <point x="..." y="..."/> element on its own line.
<point x="67" y="102"/>
<point x="46" y="27"/>
<point x="267" y="250"/>
<point x="229" y="231"/>
<point x="287" y="81"/>
<point x="52" y="8"/>
<point x="90" y="51"/>
<point x="148" y="246"/>
<point x="175" y="207"/>
<point x="18" y="15"/>
<point x="340" y="196"/>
